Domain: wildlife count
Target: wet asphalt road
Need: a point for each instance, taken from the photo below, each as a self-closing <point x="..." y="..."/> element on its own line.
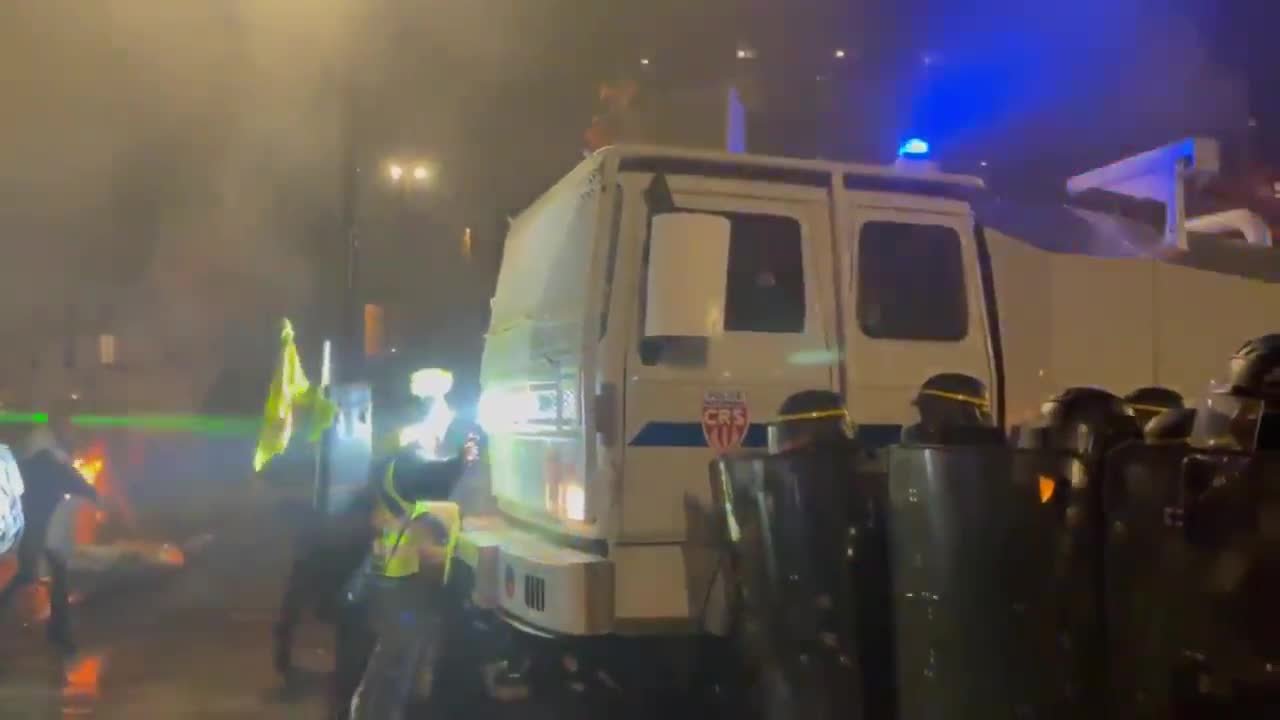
<point x="195" y="644"/>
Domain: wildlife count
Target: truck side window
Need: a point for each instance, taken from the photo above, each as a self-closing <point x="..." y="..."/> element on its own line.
<point x="765" y="291"/>
<point x="911" y="282"/>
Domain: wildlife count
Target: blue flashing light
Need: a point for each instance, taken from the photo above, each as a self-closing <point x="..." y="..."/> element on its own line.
<point x="914" y="148"/>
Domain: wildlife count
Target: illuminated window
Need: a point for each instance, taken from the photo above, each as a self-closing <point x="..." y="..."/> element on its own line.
<point x="375" y="334"/>
<point x="107" y="349"/>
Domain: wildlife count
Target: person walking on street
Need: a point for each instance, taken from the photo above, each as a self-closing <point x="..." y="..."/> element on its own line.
<point x="50" y="477"/>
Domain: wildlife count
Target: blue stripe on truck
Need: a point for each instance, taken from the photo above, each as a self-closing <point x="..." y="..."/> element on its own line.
<point x="689" y="435"/>
<point x="661" y="433"/>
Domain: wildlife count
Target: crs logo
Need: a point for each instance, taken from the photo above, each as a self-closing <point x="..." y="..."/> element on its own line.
<point x="509" y="581"/>
<point x="725" y="419"/>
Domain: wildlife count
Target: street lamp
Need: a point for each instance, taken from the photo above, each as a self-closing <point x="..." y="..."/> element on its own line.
<point x="406" y="173"/>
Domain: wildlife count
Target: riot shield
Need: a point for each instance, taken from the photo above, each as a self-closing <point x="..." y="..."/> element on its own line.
<point x="1193" y="582"/>
<point x="788" y="521"/>
<point x="981" y="565"/>
<point x="347" y="453"/>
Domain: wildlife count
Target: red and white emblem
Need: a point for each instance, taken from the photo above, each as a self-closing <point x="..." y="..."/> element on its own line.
<point x="724" y="419"/>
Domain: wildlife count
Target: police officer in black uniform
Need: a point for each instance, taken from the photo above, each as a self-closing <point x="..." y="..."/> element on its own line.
<point x="808" y="418"/>
<point x="953" y="408"/>
<point x="1244" y="412"/>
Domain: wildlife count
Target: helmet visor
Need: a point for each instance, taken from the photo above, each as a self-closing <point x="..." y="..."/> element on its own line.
<point x="1226" y="421"/>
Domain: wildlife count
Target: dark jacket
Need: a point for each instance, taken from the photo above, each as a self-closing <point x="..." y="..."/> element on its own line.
<point x="329" y="550"/>
<point x="48" y="482"/>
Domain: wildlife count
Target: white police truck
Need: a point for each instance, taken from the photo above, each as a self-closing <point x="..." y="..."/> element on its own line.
<point x="656" y="306"/>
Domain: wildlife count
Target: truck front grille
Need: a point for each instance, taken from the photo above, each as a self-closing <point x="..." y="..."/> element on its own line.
<point x="535" y="593"/>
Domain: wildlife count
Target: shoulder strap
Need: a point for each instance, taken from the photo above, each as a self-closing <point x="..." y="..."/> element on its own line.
<point x="404" y="527"/>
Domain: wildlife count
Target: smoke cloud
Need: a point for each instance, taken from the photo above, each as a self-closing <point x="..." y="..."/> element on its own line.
<point x="165" y="164"/>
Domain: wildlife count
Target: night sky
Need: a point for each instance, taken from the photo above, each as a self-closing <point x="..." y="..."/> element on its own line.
<point x="177" y="166"/>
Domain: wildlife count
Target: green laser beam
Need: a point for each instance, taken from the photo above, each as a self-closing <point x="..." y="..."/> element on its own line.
<point x="194" y="424"/>
<point x="17" y="418"/>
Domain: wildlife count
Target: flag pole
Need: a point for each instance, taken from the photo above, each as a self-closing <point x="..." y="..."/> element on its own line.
<point x="320" y="494"/>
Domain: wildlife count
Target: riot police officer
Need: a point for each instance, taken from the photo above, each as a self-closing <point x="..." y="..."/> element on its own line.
<point x="953" y="408"/>
<point x="1173" y="426"/>
<point x="1161" y="413"/>
<point x="808" y="418"/>
<point x="1243" y="413"/>
<point x="1089" y="421"/>
<point x="1149" y="402"/>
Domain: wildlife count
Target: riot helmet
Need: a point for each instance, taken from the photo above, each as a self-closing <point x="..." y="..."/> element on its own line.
<point x="954" y="400"/>
<point x="1171" y="426"/>
<point x="1254" y="369"/>
<point x="1240" y="412"/>
<point x="1149" y="402"/>
<point x="1089" y="421"/>
<point x="810" y="417"/>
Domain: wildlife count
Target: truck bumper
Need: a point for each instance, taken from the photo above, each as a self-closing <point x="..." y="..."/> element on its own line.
<point x="543" y="587"/>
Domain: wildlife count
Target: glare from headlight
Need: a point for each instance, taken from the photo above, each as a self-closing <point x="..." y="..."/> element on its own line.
<point x="575" y="502"/>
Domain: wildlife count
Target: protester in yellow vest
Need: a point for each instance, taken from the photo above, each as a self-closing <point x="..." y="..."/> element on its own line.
<point x="411" y="558"/>
<point x="417" y="529"/>
<point x="405" y="525"/>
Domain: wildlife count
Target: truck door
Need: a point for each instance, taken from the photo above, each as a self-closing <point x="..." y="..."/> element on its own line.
<point x="684" y="406"/>
<point x="914" y="303"/>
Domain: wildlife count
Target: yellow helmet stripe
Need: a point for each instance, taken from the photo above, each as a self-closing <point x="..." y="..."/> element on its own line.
<point x="958" y="397"/>
<point x="816" y="415"/>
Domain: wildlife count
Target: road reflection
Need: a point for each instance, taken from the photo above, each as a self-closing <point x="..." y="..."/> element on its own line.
<point x="81" y="687"/>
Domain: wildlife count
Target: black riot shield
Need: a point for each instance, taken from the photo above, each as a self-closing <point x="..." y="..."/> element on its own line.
<point x="347" y="452"/>
<point x="790" y="521"/>
<point x="1193" y="582"/>
<point x="982" y="567"/>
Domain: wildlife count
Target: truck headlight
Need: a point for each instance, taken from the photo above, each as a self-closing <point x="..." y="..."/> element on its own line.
<point x="574" y="502"/>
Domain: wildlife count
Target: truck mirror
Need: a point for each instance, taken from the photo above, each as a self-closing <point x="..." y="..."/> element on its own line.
<point x="688" y="270"/>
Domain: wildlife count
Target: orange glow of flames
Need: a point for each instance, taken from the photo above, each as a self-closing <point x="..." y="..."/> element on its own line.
<point x="92" y="465"/>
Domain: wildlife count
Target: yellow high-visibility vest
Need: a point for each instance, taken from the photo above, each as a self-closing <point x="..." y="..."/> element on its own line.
<point x="449" y="515"/>
<point x="394" y="545"/>
<point x="398" y="539"/>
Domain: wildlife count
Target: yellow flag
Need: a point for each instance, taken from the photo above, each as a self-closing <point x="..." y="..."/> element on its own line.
<point x="288" y="383"/>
